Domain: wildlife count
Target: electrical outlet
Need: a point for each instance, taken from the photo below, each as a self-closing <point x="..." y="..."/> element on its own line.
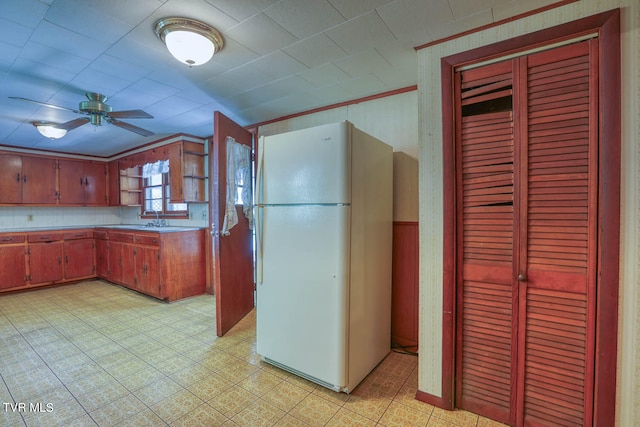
<point x="29" y="217"/>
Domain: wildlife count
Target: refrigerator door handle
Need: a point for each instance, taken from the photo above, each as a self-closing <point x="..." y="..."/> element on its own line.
<point x="257" y="211"/>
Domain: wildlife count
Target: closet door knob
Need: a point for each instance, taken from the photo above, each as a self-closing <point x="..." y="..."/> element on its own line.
<point x="522" y="277"/>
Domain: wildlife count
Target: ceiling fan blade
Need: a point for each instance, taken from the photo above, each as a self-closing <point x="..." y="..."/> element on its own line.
<point x="130" y="114"/>
<point x="130" y="127"/>
<point x="44" y="104"/>
<point x="70" y="125"/>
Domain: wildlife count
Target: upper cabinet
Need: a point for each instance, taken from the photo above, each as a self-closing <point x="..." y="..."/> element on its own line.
<point x="28" y="180"/>
<point x="83" y="182"/>
<point x="186" y="174"/>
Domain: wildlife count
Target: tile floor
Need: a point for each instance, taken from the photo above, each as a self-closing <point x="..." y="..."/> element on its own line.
<point x="97" y="354"/>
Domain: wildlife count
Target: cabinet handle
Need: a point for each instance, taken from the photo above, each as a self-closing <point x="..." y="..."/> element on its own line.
<point x="80" y="180"/>
<point x="18" y="177"/>
<point x="86" y="181"/>
<point x="24" y="178"/>
<point x="66" y="259"/>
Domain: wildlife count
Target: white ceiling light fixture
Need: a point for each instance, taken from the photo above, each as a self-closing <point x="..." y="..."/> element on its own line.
<point x="50" y="130"/>
<point x="189" y="41"/>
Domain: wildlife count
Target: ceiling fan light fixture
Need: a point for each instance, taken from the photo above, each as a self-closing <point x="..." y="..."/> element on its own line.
<point x="50" y="130"/>
<point x="189" y="41"/>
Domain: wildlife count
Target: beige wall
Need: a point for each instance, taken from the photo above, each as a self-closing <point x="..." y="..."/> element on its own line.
<point x="394" y="120"/>
<point x="430" y="204"/>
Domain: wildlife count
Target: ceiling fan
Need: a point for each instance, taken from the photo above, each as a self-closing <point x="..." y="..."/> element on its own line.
<point x="97" y="110"/>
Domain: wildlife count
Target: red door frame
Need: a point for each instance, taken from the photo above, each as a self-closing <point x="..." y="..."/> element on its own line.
<point x="607" y="25"/>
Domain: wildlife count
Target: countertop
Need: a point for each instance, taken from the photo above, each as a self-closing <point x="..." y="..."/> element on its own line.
<point x="132" y="227"/>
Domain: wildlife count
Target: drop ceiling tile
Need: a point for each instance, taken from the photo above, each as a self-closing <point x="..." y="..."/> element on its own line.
<point x="55" y="58"/>
<point x="28" y="13"/>
<point x="278" y="64"/>
<point x="362" y="63"/>
<point x="169" y="107"/>
<point x="363" y="86"/>
<point x="221" y="87"/>
<point x="14" y="33"/>
<point x="315" y="50"/>
<point x="233" y="54"/>
<point x="324" y="75"/>
<point x="247" y="77"/>
<point x="503" y="9"/>
<point x="304" y="18"/>
<point x="360" y="33"/>
<point x="60" y="38"/>
<point x="241" y="10"/>
<point x="261" y="34"/>
<point x="407" y="18"/>
<point x="350" y="9"/>
<point x="82" y="17"/>
<point x="463" y="8"/>
<point x="112" y="66"/>
<point x="156" y="89"/>
<point x="269" y="92"/>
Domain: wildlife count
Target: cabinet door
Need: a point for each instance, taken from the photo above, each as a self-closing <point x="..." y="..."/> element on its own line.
<point x="128" y="266"/>
<point x="149" y="281"/>
<point x="115" y="261"/>
<point x="45" y="262"/>
<point x="10" y="179"/>
<point x="39" y="180"/>
<point x="71" y="182"/>
<point x="95" y="184"/>
<point x="79" y="258"/>
<point x="13" y="271"/>
<point x="102" y="258"/>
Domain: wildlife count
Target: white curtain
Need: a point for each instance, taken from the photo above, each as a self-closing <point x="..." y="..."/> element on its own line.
<point x="238" y="174"/>
<point x="161" y="166"/>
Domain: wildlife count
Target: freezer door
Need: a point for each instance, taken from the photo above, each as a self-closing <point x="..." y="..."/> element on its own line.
<point x="306" y="166"/>
<point x="302" y="294"/>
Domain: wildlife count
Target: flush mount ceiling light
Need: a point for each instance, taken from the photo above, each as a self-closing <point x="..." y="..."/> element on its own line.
<point x="189" y="41"/>
<point x="50" y="130"/>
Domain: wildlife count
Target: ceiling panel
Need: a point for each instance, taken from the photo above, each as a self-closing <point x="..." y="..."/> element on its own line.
<point x="281" y="57"/>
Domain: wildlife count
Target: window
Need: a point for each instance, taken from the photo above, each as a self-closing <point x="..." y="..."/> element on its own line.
<point x="156" y="195"/>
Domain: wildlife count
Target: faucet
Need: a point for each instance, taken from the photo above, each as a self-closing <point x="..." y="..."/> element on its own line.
<point x="156" y="222"/>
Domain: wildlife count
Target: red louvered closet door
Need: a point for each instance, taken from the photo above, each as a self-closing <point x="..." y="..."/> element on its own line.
<point x="527" y="223"/>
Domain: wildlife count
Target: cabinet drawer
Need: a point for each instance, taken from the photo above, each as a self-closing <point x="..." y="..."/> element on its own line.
<point x="80" y="234"/>
<point x="102" y="235"/>
<point x="121" y="237"/>
<point x="147" y="239"/>
<point x="11" y="239"/>
<point x="44" y="237"/>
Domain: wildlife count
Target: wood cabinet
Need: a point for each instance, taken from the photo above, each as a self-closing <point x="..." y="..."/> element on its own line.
<point x="165" y="265"/>
<point x="187" y="175"/>
<point x="102" y="255"/>
<point x="79" y="254"/>
<point x="186" y="172"/>
<point x="13" y="273"/>
<point x="82" y="182"/>
<point x="26" y="179"/>
<point x="45" y="258"/>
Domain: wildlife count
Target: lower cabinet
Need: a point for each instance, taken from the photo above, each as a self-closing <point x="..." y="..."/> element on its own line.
<point x="168" y="265"/>
<point x="13" y="250"/>
<point x="79" y="255"/>
<point x="45" y="258"/>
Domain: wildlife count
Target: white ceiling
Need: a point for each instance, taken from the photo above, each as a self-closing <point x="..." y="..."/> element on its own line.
<point x="280" y="57"/>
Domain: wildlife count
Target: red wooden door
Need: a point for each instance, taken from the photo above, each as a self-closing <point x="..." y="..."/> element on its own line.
<point x="528" y="173"/>
<point x="232" y="263"/>
<point x="71" y="181"/>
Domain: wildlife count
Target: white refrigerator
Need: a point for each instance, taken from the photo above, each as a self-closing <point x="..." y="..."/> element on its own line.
<point x="324" y="235"/>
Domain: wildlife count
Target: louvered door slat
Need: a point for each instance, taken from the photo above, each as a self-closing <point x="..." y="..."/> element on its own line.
<point x="560" y="237"/>
<point x="485" y="364"/>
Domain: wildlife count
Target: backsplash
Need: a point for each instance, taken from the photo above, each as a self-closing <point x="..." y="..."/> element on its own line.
<point x="25" y="217"/>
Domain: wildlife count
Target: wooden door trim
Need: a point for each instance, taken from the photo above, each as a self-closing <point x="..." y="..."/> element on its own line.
<point x="607" y="26"/>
